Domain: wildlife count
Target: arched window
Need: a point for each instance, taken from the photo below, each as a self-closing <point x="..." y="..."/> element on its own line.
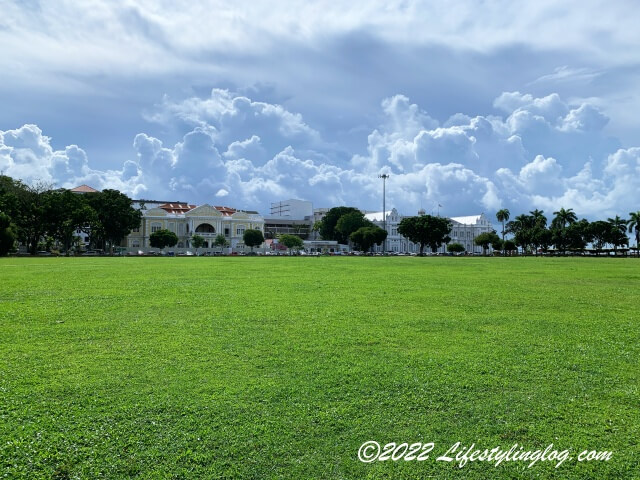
<point x="156" y="226"/>
<point x="205" y="228"/>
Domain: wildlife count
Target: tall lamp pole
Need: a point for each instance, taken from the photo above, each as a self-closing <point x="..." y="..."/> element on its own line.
<point x="384" y="177"/>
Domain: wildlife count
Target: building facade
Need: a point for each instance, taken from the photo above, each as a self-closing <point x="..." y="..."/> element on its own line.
<point x="292" y="209"/>
<point x="395" y="242"/>
<point x="187" y="220"/>
<point x="464" y="230"/>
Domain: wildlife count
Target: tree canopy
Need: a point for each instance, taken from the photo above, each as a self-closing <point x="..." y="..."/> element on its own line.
<point x="39" y="211"/>
<point x="163" y="238"/>
<point x="252" y="238"/>
<point x="327" y="226"/>
<point x="197" y="241"/>
<point x="116" y="216"/>
<point x="290" y="241"/>
<point x="221" y="241"/>
<point x="366" y="237"/>
<point x="7" y="235"/>
<point x="488" y="238"/>
<point x="455" y="248"/>
<point x="426" y="230"/>
<point x="349" y="223"/>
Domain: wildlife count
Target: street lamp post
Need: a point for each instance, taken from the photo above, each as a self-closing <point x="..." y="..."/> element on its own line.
<point x="384" y="177"/>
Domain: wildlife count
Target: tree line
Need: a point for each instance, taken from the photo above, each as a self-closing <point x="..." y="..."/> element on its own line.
<point x="349" y="226"/>
<point x="566" y="233"/>
<point x="39" y="216"/>
<point x="530" y="232"/>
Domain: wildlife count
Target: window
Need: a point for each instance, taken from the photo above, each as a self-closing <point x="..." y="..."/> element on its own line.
<point x="226" y="232"/>
<point x="240" y="231"/>
<point x="135" y="244"/>
<point x="155" y="227"/>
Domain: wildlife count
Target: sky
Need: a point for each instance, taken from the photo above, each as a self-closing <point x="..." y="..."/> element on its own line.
<point x="468" y="104"/>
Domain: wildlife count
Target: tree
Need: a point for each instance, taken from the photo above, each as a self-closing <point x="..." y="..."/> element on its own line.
<point x="600" y="232"/>
<point x="7" y="234"/>
<point x="538" y="218"/>
<point x="326" y="227"/>
<point x="455" y="248"/>
<point x="618" y="236"/>
<point x="559" y="225"/>
<point x="252" y="238"/>
<point x="367" y="237"/>
<point x="510" y="246"/>
<point x="25" y="205"/>
<point x="197" y="241"/>
<point x="520" y="228"/>
<point x="577" y="236"/>
<point x="564" y="217"/>
<point x="115" y="214"/>
<point x="503" y="216"/>
<point x="349" y="223"/>
<point x="426" y="230"/>
<point x="634" y="224"/>
<point x="163" y="238"/>
<point x="530" y="231"/>
<point x="220" y="241"/>
<point x="485" y="239"/>
<point x="9" y="203"/>
<point x="66" y="212"/>
<point x="290" y="241"/>
<point x="540" y="238"/>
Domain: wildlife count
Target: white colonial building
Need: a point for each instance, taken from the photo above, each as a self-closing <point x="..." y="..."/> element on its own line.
<point x="464" y="230"/>
<point x="187" y="220"/>
<point x="395" y="242"/>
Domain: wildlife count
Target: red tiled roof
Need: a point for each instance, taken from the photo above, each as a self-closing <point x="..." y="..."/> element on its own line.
<point x="84" y="189"/>
<point x="177" y="207"/>
<point x="226" y="211"/>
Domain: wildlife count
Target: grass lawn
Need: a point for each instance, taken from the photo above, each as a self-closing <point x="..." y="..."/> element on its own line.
<point x="171" y="368"/>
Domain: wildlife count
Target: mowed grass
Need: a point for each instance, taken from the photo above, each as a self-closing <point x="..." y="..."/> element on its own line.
<point x="180" y="368"/>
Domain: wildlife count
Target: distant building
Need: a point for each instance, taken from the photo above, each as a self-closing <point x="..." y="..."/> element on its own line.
<point x="83" y="234"/>
<point x="280" y="226"/>
<point x="466" y="229"/>
<point x="292" y="217"/>
<point x="149" y="204"/>
<point x="395" y="242"/>
<point x="84" y="189"/>
<point x="292" y="209"/>
<point x="187" y="220"/>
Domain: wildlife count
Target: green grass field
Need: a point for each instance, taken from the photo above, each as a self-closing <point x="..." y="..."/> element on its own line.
<point x="181" y="368"/>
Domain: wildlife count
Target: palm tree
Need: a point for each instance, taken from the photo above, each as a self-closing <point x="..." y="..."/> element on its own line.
<point x="564" y="217"/>
<point x="618" y="232"/>
<point x="520" y="227"/>
<point x="634" y="224"/>
<point x="503" y="216"/>
<point x="539" y="220"/>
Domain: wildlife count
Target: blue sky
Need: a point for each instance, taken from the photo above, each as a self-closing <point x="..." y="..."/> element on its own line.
<point x="472" y="105"/>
